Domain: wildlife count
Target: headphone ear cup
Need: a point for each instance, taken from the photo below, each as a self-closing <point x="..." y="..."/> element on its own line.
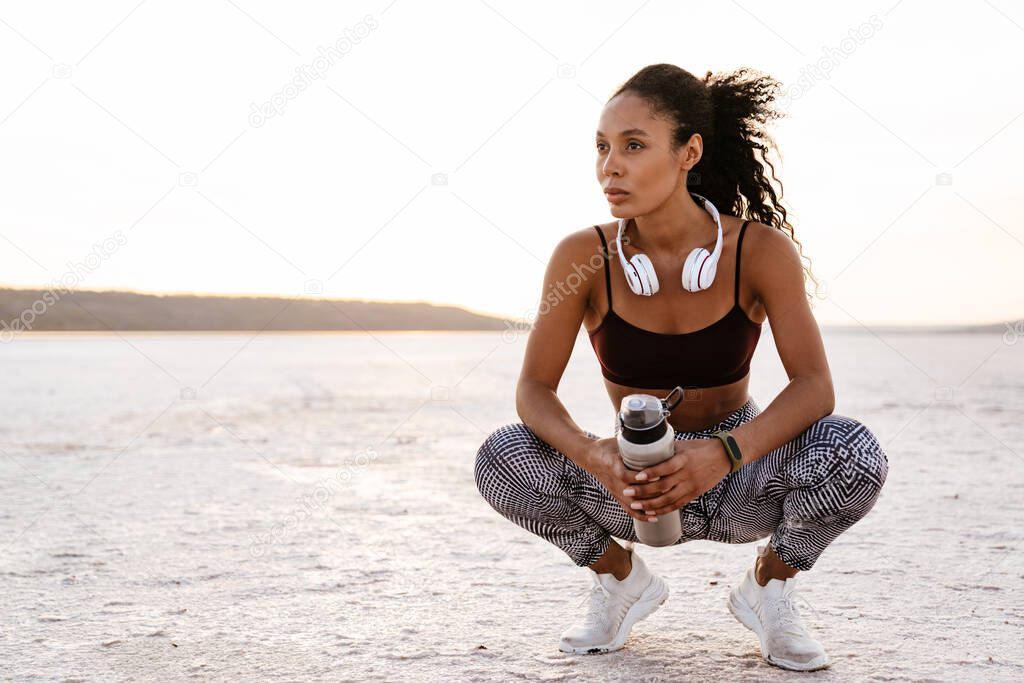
<point x="633" y="280"/>
<point x="647" y="275"/>
<point x="691" y="268"/>
<point x="699" y="270"/>
<point x="707" y="274"/>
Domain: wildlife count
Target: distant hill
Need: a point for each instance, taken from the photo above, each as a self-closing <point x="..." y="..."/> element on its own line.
<point x="42" y="310"/>
<point x="87" y="310"/>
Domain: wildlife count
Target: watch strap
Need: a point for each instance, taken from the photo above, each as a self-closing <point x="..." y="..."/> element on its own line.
<point x="732" y="449"/>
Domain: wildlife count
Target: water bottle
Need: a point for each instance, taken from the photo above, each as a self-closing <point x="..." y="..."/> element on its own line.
<point x="645" y="439"/>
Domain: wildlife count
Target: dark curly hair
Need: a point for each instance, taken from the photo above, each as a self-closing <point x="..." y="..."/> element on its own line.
<point x="730" y="111"/>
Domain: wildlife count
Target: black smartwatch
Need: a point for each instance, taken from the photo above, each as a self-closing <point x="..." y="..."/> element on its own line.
<point x="732" y="449"/>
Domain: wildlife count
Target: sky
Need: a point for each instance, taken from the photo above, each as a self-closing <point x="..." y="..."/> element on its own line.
<point x="437" y="152"/>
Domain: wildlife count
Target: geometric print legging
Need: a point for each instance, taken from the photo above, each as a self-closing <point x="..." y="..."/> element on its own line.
<point x="803" y="494"/>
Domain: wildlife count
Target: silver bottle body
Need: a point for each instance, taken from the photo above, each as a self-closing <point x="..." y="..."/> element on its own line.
<point x="667" y="529"/>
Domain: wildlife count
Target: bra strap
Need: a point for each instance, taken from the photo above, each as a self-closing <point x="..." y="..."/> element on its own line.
<point x="607" y="272"/>
<point x="739" y="244"/>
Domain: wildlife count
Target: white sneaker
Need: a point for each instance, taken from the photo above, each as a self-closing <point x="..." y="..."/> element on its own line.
<point x="770" y="611"/>
<point x="614" y="607"/>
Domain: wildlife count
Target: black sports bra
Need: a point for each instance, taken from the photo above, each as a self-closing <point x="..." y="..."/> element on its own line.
<point x="711" y="356"/>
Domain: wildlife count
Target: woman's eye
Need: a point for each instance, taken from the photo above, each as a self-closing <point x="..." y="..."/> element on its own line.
<point x="601" y="145"/>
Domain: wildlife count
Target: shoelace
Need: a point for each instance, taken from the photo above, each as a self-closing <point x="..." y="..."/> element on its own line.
<point x="597" y="596"/>
<point x="786" y="613"/>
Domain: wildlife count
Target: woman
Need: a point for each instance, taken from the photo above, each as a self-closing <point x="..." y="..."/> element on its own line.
<point x="804" y="475"/>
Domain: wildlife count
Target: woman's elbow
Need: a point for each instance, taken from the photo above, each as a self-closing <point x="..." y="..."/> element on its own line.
<point x="523" y="397"/>
<point x="827" y="396"/>
<point x="528" y="391"/>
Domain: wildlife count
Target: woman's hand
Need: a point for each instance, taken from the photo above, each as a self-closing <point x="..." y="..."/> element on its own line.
<point x="604" y="461"/>
<point x="697" y="466"/>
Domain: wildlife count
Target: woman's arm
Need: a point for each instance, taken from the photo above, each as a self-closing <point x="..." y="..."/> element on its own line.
<point x="564" y="300"/>
<point x="777" y="277"/>
<point x="542" y="411"/>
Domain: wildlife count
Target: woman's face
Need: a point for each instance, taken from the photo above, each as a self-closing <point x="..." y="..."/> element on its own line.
<point x="634" y="154"/>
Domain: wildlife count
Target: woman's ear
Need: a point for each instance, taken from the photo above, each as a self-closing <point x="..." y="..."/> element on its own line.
<point x="693" y="150"/>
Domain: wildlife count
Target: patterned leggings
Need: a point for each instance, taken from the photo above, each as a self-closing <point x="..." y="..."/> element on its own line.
<point x="804" y="493"/>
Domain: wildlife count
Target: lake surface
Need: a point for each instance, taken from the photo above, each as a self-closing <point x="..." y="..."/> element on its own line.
<point x="302" y="506"/>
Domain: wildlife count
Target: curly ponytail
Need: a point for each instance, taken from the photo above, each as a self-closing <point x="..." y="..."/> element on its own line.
<point x="730" y="111"/>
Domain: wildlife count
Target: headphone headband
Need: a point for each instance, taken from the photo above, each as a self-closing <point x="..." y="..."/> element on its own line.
<point x="640" y="261"/>
<point x="710" y="208"/>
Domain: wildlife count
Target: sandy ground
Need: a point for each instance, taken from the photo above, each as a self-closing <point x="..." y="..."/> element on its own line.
<point x="305" y="517"/>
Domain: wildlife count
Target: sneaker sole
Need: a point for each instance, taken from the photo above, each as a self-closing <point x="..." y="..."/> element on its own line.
<point x="746" y="616"/>
<point x="650" y="600"/>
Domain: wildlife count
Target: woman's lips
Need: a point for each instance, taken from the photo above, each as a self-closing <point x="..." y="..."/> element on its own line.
<point x="616" y="197"/>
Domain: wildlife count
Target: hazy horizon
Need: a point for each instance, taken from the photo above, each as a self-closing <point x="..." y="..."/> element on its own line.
<point x="1014" y="323"/>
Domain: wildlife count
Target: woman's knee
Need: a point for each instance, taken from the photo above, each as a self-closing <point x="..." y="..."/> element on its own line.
<point x="502" y="460"/>
<point x="863" y="462"/>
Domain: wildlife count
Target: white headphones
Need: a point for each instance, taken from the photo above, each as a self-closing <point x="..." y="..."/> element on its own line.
<point x="698" y="270"/>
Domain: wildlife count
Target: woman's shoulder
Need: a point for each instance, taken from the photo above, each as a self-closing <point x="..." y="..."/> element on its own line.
<point x="769" y="256"/>
<point x="765" y="240"/>
<point x="583" y="244"/>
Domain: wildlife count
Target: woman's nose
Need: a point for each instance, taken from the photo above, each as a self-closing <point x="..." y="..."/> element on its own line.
<point x="610" y="167"/>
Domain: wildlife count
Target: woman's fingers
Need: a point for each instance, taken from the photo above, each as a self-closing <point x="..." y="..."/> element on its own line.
<point x="667" y="502"/>
<point x="646" y="491"/>
<point x="645" y="500"/>
<point x="635" y="514"/>
<point x="664" y="469"/>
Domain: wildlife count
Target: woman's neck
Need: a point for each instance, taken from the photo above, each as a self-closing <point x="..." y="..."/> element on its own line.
<point x="678" y="224"/>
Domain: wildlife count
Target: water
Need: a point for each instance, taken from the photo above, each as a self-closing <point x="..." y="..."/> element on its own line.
<point x="302" y="506"/>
